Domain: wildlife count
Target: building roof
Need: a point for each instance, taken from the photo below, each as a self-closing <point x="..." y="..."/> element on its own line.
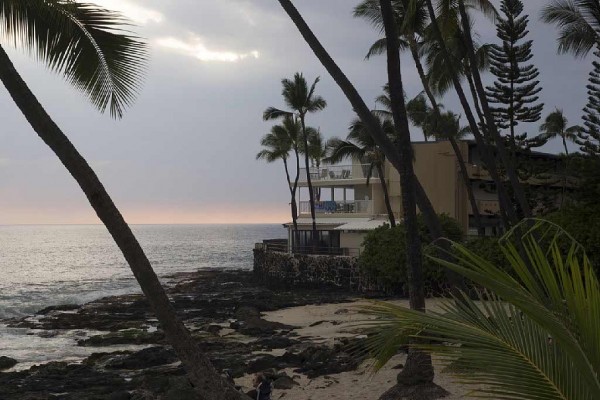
<point x="362" y="225"/>
<point x="327" y="221"/>
<point x="344" y="224"/>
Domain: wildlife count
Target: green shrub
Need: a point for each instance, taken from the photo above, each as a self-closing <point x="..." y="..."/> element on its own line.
<point x="583" y="223"/>
<point x="384" y="255"/>
<point x="488" y="248"/>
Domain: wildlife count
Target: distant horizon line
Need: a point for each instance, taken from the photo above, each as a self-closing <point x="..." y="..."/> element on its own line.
<point x="175" y="223"/>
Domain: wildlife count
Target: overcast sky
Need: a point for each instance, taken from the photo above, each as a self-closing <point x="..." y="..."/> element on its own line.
<point x="185" y="152"/>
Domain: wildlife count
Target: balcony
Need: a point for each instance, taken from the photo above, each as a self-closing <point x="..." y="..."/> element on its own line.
<point x="338" y="207"/>
<point x="338" y="173"/>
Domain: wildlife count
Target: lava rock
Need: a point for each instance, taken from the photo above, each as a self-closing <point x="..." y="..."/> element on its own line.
<point x="150" y="357"/>
<point x="7" y="362"/>
<point x="284" y="382"/>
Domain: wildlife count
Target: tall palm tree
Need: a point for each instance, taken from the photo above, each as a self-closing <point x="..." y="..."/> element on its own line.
<point x="317" y="151"/>
<point x="87" y="45"/>
<point x="531" y="334"/>
<point x="556" y="126"/>
<point x="578" y="22"/>
<point x="302" y="100"/>
<point x="359" y="145"/>
<point x="277" y="146"/>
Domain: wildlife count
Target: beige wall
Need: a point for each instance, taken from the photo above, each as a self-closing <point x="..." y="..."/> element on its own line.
<point x="437" y="169"/>
<point x="352" y="240"/>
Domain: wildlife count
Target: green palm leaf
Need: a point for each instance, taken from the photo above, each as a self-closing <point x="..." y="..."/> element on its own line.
<point x="531" y="334"/>
<point x="85" y="43"/>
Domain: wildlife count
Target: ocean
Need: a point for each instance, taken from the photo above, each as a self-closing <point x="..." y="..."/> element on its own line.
<point x="43" y="265"/>
<point x="72" y="264"/>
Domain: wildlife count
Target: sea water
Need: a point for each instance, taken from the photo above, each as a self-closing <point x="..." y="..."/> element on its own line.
<point x="43" y="265"/>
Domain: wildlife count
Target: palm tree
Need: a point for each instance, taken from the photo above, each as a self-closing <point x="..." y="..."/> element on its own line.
<point x="301" y="100"/>
<point x="556" y="125"/>
<point x="88" y="46"/>
<point x="359" y="145"/>
<point x="531" y="334"/>
<point x="277" y="146"/>
<point x="317" y="151"/>
<point x="578" y="22"/>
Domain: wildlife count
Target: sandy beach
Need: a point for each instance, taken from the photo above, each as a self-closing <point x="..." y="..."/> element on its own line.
<point x="325" y="324"/>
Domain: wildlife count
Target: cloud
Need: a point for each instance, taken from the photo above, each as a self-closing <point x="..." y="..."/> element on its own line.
<point x="195" y="47"/>
<point x="137" y="14"/>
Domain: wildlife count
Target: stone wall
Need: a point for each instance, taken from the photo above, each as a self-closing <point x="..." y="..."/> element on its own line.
<point x="310" y="271"/>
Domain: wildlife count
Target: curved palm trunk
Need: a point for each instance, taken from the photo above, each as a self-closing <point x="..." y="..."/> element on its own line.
<point x="209" y="384"/>
<point x="414" y="51"/>
<point x="386" y="196"/>
<point x="311" y="193"/>
<point x="294" y="209"/>
<point x="508" y="214"/>
<point x="462" y="166"/>
<point x="508" y="165"/>
<point x="461" y="161"/>
<point x="469" y="78"/>
<point x="294" y="204"/>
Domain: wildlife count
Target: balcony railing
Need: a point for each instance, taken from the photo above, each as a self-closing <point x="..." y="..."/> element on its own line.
<point x="338" y="172"/>
<point x="338" y="207"/>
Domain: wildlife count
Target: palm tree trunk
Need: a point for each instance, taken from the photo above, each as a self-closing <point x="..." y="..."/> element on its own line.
<point x="294" y="204"/>
<point x="418" y="367"/>
<point x="311" y="193"/>
<point x="462" y="166"/>
<point x="507" y="212"/>
<point x="414" y="51"/>
<point x="474" y="95"/>
<point x="508" y="165"/>
<point x="209" y="384"/>
<point x="386" y="196"/>
<point x="566" y="170"/>
<point x="461" y="161"/>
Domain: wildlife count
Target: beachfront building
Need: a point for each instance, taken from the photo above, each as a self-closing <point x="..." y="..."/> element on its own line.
<point x="348" y="205"/>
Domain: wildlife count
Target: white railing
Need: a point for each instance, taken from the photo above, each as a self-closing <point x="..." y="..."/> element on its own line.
<point x="338" y="172"/>
<point x="338" y="207"/>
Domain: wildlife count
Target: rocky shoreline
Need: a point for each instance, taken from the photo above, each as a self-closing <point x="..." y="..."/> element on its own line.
<point x="222" y="309"/>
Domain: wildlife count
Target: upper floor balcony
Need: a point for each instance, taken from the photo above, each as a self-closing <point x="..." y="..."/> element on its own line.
<point x="338" y="173"/>
<point x="338" y="207"/>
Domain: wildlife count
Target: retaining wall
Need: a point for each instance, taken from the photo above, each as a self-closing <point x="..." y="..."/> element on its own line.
<point x="310" y="271"/>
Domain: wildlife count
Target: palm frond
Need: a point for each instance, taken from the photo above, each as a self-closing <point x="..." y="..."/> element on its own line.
<point x="87" y="44"/>
<point x="275" y="113"/>
<point x="578" y="23"/>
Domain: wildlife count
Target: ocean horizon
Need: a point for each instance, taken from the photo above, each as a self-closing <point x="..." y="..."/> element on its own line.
<point x="51" y="264"/>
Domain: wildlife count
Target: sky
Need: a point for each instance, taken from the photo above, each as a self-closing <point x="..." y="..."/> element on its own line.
<point x="185" y="151"/>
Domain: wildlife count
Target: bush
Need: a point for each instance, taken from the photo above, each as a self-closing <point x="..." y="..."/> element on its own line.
<point x="583" y="223"/>
<point x="384" y="255"/>
<point x="488" y="248"/>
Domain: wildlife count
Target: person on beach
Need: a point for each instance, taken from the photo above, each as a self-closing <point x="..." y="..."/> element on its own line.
<point x="262" y="387"/>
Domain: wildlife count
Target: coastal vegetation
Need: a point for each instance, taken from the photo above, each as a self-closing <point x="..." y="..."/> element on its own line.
<point x="530" y="333"/>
